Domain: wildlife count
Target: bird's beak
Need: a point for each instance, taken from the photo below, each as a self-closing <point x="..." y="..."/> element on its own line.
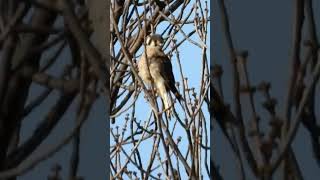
<point x="165" y="38"/>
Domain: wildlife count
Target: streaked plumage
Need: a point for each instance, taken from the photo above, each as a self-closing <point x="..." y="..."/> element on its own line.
<point x="160" y="71"/>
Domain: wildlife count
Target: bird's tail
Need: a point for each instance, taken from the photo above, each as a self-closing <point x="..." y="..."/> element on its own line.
<point x="168" y="105"/>
<point x="177" y="94"/>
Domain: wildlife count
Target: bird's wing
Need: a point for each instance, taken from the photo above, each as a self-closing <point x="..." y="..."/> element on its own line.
<point x="166" y="71"/>
<point x="167" y="74"/>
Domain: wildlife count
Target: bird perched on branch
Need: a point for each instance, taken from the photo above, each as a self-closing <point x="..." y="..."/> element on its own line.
<point x="157" y="71"/>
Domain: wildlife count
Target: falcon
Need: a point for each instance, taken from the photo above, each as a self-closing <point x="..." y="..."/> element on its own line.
<point x="159" y="73"/>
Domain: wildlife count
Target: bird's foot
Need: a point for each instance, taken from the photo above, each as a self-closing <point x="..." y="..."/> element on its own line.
<point x="169" y="112"/>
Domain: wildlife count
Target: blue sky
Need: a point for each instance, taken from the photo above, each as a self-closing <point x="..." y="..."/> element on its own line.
<point x="264" y="29"/>
<point x="190" y="56"/>
<point x="93" y="134"/>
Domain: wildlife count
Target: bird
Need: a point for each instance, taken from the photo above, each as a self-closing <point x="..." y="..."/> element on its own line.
<point x="158" y="71"/>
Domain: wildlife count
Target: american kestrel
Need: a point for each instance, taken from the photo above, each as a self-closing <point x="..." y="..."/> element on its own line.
<point x="159" y="72"/>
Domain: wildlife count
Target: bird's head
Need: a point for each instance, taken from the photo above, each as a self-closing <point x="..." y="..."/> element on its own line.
<point x="154" y="40"/>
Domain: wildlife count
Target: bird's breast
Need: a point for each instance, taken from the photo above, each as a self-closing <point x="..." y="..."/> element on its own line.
<point x="144" y="72"/>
